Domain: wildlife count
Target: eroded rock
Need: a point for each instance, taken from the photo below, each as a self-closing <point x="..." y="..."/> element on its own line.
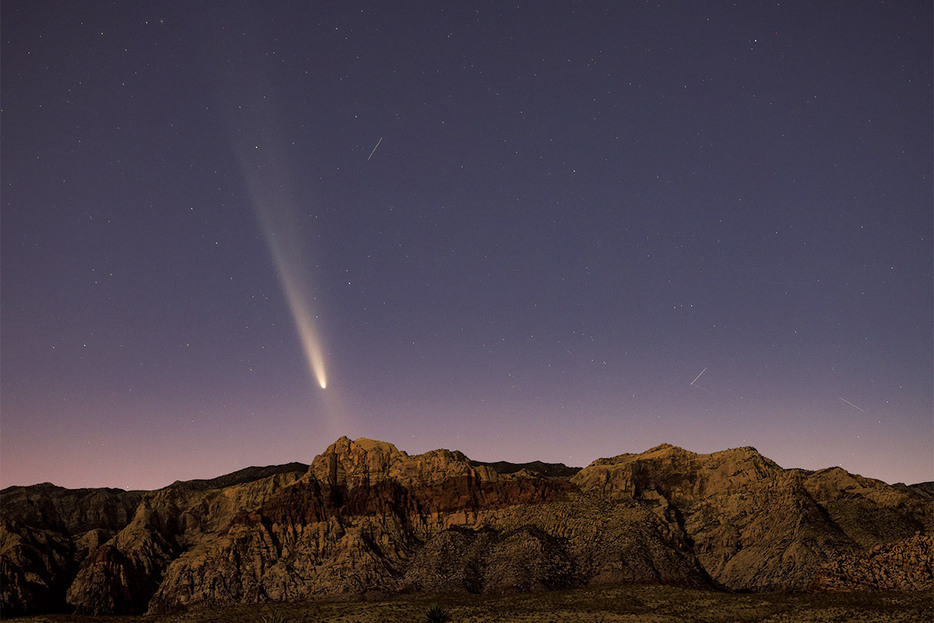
<point x="367" y="518"/>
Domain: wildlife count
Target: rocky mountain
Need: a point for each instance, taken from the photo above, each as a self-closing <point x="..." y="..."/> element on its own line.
<point x="46" y="532"/>
<point x="366" y="519"/>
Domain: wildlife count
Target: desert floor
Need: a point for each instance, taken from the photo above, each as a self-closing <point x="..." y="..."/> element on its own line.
<point x="599" y="605"/>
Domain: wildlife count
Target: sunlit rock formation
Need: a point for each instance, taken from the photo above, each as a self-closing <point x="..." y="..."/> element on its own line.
<point x="366" y="518"/>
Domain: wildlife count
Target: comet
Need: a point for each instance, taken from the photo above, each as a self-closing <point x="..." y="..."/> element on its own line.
<point x="304" y="318"/>
<point x="283" y="224"/>
<point x="281" y="206"/>
<point x="290" y="259"/>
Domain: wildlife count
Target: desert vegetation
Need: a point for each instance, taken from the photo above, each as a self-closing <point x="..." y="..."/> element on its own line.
<point x="437" y="613"/>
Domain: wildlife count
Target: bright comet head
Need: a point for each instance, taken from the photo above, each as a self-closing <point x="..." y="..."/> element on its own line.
<point x="299" y="304"/>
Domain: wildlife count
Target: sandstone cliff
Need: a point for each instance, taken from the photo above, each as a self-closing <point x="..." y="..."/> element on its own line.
<point x="367" y="518"/>
<point x="754" y="525"/>
<point x="45" y="533"/>
<point x="907" y="564"/>
<point x="123" y="573"/>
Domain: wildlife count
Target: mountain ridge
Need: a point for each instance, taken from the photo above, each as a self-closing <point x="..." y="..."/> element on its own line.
<point x="506" y="467"/>
<point x="366" y="517"/>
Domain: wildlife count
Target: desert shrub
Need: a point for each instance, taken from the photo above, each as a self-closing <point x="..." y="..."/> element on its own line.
<point x="437" y="614"/>
<point x="274" y="617"/>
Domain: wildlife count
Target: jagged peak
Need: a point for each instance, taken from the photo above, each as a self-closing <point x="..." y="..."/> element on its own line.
<point x="670" y="449"/>
<point x="366" y="461"/>
<point x="364" y="445"/>
<point x="660" y="451"/>
<point x="746" y="449"/>
<point x="535" y="468"/>
<point x="742" y="451"/>
<point x="345" y="444"/>
<point x="371" y="445"/>
<point x="745" y="461"/>
<point x="241" y="476"/>
<point x="666" y="449"/>
<point x="39" y="486"/>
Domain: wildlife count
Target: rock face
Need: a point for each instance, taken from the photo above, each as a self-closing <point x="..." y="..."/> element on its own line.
<point x="367" y="518"/>
<point x="122" y="574"/>
<point x="45" y="533"/>
<point x="753" y="525"/>
<point x="903" y="565"/>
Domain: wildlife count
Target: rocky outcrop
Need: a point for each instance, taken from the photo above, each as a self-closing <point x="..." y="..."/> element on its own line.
<point x="535" y="468"/>
<point x="354" y="525"/>
<point x="103" y="550"/>
<point x="900" y="566"/>
<point x="753" y="525"/>
<point x="462" y="535"/>
<point x="366" y="462"/>
<point x="36" y="566"/>
<point x="71" y="512"/>
<point x="924" y="489"/>
<point x="45" y="533"/>
<point x="869" y="511"/>
<point x="122" y="574"/>
<point x="367" y="518"/>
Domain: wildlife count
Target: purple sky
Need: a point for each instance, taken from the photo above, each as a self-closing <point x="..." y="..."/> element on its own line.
<point x="572" y="211"/>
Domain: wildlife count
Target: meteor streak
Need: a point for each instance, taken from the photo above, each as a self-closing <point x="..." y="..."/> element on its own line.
<point x="851" y="404"/>
<point x="374" y="149"/>
<point x="698" y="386"/>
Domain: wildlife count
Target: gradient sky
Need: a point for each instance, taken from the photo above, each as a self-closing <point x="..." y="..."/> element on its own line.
<point x="572" y="210"/>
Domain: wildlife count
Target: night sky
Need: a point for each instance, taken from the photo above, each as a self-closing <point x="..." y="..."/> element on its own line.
<point x="517" y="230"/>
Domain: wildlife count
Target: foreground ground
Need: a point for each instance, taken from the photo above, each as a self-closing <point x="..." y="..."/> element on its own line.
<point x="601" y="605"/>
